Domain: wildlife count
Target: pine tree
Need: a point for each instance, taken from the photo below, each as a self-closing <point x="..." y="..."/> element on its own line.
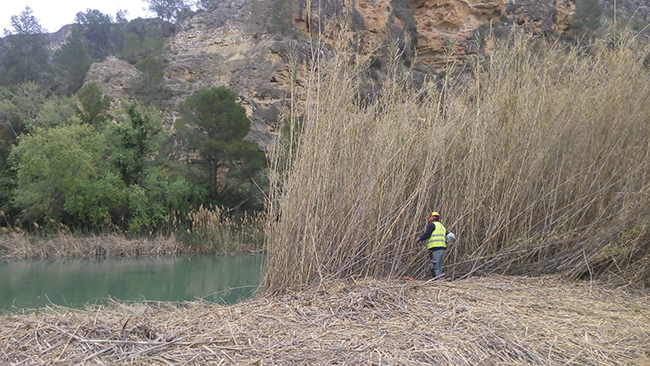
<point x="71" y="63"/>
<point x="26" y="57"/>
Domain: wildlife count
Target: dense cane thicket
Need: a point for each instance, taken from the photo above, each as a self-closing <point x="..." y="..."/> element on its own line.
<point x="539" y="163"/>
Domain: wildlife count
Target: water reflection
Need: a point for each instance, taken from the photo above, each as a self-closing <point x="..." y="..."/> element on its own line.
<point x="74" y="282"/>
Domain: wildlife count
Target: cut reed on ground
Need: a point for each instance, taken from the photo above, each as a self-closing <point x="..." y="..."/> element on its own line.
<point x="478" y="321"/>
<point x="539" y="163"/>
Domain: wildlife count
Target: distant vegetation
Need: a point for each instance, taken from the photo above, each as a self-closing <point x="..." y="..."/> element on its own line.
<point x="80" y="171"/>
<point x="70" y="160"/>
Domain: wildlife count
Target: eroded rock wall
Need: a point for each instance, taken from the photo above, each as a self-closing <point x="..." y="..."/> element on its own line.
<point x="230" y="45"/>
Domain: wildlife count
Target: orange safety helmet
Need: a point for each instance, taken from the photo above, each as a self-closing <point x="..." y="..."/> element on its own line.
<point x="434" y="216"/>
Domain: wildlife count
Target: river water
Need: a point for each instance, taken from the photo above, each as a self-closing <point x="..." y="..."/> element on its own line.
<point x="78" y="281"/>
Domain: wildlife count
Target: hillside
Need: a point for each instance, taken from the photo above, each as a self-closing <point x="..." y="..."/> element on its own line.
<point x="245" y="45"/>
<point x="234" y="44"/>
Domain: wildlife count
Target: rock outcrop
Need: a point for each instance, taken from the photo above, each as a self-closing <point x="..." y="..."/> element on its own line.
<point x="541" y="16"/>
<point x="229" y="45"/>
<point x="113" y="77"/>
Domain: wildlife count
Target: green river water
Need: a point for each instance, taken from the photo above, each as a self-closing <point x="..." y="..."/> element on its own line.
<point x="76" y="282"/>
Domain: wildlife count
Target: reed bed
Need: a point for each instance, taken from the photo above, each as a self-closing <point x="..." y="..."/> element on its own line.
<point x="64" y="244"/>
<point x="478" y="321"/>
<point x="211" y="231"/>
<point x="538" y="162"/>
<point x="214" y="231"/>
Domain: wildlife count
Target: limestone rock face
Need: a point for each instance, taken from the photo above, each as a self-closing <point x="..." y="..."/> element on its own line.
<point x="540" y="16"/>
<point x="441" y="22"/>
<point x="434" y="29"/>
<point x="230" y="45"/>
<point x="112" y="75"/>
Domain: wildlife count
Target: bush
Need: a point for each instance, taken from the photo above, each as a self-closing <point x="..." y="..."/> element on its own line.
<point x="61" y="177"/>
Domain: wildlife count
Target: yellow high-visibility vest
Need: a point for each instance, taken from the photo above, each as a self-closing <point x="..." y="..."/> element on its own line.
<point x="438" y="238"/>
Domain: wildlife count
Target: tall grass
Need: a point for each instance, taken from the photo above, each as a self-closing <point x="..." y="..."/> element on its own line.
<point x="214" y="231"/>
<point x="539" y="163"/>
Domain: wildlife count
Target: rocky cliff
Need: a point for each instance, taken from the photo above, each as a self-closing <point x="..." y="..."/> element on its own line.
<point x="230" y="45"/>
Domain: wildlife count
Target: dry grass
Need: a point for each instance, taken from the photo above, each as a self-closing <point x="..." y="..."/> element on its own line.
<point x="478" y="321"/>
<point x="22" y="246"/>
<point x="539" y="163"/>
<point x="213" y="231"/>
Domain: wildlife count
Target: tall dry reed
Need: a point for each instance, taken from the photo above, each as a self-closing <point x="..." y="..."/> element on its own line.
<point x="214" y="231"/>
<point x="539" y="163"/>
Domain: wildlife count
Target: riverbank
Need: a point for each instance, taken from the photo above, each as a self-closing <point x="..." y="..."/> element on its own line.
<point x="26" y="246"/>
<point x="482" y="320"/>
<point x="17" y="245"/>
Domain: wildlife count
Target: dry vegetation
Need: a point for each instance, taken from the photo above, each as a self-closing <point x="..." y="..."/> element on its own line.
<point x="23" y="246"/>
<point x="477" y="321"/>
<point x="539" y="163"/>
<point x="212" y="231"/>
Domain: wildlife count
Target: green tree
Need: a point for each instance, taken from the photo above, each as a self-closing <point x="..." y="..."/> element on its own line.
<point x="7" y="181"/>
<point x="132" y="48"/>
<point x="168" y="10"/>
<point x="94" y="105"/>
<point x="98" y="31"/>
<point x="149" y="86"/>
<point x="136" y="47"/>
<point x="26" y="23"/>
<point x="136" y="142"/>
<point x="55" y="111"/>
<point x="26" y="57"/>
<point x="587" y="15"/>
<point x="71" y="63"/>
<point x="280" y="21"/>
<point x="213" y="125"/>
<point x="20" y="107"/>
<point x="23" y="108"/>
<point x="136" y="151"/>
<point x="62" y="176"/>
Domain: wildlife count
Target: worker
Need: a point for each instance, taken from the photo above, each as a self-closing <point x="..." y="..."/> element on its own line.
<point x="436" y="237"/>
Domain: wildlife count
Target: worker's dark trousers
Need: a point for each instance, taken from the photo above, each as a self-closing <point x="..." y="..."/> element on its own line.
<point x="436" y="255"/>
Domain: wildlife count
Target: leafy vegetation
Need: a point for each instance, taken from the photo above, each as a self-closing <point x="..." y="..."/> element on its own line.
<point x="587" y="15"/>
<point x="213" y="126"/>
<point x="62" y="176"/>
<point x="71" y="159"/>
<point x="136" y="146"/>
<point x="71" y="62"/>
<point x="168" y="10"/>
<point x="94" y="106"/>
<point x="137" y="47"/>
<point x="149" y="86"/>
<point x="63" y="163"/>
<point x="26" y="56"/>
<point x="102" y="36"/>
<point x="94" y="36"/>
